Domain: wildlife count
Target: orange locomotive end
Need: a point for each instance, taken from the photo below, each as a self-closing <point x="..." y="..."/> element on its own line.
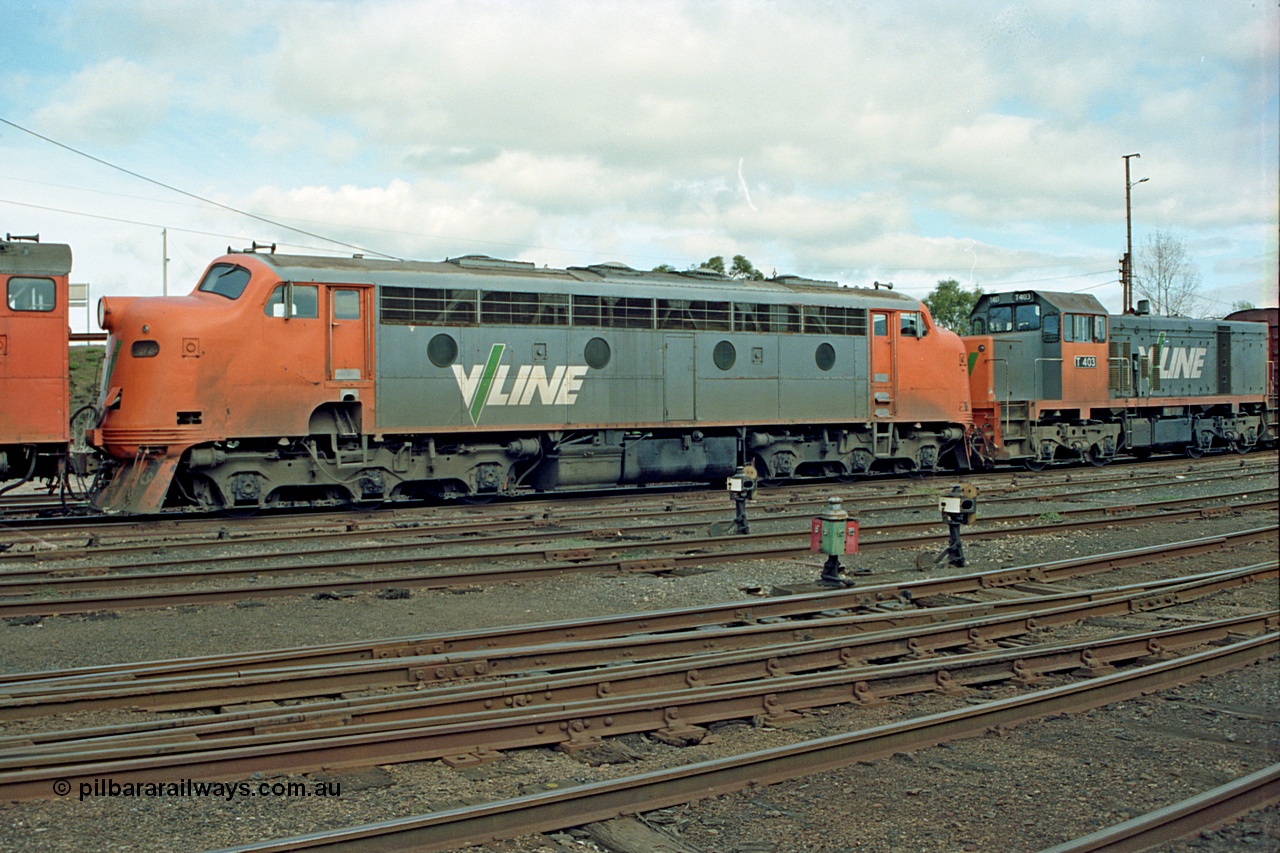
<point x="929" y="378"/>
<point x="244" y="356"/>
<point x="34" y="338"/>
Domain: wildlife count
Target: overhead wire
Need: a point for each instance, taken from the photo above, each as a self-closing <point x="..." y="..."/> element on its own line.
<point x="122" y="220"/>
<point x="195" y="196"/>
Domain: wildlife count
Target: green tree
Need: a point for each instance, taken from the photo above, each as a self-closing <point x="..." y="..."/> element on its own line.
<point x="1242" y="305"/>
<point x="664" y="268"/>
<point x="714" y="263"/>
<point x="743" y="268"/>
<point x="951" y="305"/>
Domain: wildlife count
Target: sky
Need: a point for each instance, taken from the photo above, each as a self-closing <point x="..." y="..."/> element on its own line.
<point x="904" y="142"/>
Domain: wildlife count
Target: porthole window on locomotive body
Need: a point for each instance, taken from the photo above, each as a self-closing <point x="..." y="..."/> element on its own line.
<point x="825" y="356"/>
<point x="724" y="355"/>
<point x="442" y="350"/>
<point x="597" y="353"/>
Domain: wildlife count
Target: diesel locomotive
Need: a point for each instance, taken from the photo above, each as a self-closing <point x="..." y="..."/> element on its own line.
<point x="1053" y="376"/>
<point x="305" y="379"/>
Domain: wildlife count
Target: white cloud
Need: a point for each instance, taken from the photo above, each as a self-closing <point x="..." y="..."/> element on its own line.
<point x="113" y="103"/>
<point x="873" y="136"/>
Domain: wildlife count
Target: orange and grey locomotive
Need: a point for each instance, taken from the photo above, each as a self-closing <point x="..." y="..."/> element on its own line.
<point x="304" y="379"/>
<point x="1053" y="376"/>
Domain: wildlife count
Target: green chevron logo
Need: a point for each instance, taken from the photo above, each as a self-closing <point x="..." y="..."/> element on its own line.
<point x="476" y="384"/>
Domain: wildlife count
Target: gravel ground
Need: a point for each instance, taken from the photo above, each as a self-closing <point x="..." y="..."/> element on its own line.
<point x="1023" y="789"/>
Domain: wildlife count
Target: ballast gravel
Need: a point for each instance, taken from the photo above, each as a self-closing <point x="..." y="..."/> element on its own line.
<point x="1025" y="788"/>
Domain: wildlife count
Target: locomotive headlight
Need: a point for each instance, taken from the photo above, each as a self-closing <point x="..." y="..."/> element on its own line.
<point x="103" y="313"/>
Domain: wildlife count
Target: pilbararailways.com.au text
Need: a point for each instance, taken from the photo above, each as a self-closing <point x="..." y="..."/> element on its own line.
<point x="192" y="788"/>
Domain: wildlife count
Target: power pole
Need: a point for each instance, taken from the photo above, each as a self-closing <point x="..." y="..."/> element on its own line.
<point x="1126" y="263"/>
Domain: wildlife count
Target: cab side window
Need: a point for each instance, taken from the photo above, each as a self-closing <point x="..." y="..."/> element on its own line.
<point x="1050" y="333"/>
<point x="978" y="326"/>
<point x="910" y="324"/>
<point x="1100" y="330"/>
<point x="31" y="294"/>
<point x="306" y="302"/>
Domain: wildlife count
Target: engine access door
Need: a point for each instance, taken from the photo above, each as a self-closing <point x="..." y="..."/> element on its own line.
<point x="348" y="334"/>
<point x="678" y="377"/>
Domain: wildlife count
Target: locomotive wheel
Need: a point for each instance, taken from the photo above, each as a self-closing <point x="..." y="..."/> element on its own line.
<point x="1036" y="465"/>
<point x="1195" y="451"/>
<point x="1097" y="460"/>
<point x="1241" y="446"/>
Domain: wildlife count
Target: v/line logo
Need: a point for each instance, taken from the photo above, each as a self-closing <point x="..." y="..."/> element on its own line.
<point x="486" y="384"/>
<point x="1175" y="362"/>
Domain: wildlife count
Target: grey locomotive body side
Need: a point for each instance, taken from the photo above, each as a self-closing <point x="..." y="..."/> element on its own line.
<point x="608" y="399"/>
<point x="1185" y="358"/>
<point x="652" y="378"/>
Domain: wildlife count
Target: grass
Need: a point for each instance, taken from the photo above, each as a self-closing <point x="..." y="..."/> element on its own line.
<point x="84" y="365"/>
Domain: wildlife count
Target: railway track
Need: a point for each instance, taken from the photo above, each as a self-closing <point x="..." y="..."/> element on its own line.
<point x="697" y="679"/>
<point x="103" y="530"/>
<point x="422" y="702"/>
<point x="628" y="664"/>
<point x="47" y="587"/>
<point x="417" y="661"/>
<point x="1187" y="817"/>
<point x="796" y="504"/>
<point x="604" y="800"/>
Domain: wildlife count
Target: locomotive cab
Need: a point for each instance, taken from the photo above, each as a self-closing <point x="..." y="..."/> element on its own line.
<point x="1061" y="336"/>
<point x="246" y="360"/>
<point x="1038" y="363"/>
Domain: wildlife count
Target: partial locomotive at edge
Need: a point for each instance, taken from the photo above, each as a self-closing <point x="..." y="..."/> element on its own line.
<point x="294" y="379"/>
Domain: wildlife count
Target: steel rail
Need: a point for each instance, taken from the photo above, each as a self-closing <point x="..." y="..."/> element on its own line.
<point x="575" y="560"/>
<point x="994" y="480"/>
<point x="453" y="828"/>
<point x="795" y="676"/>
<point x="836" y="641"/>
<point x="469" y="738"/>
<point x="653" y="622"/>
<point x="1194" y="814"/>
<point x="42" y="578"/>
<point x="404" y="526"/>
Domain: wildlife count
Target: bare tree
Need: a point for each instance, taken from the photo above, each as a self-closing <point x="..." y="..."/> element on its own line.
<point x="1164" y="275"/>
